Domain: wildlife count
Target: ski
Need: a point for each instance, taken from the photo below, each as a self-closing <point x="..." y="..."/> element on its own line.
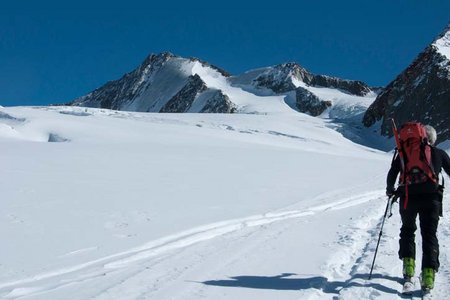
<point x="427" y="295"/>
<point x="408" y="287"/>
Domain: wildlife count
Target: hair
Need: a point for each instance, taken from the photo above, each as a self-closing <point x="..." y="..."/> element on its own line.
<point x="431" y="134"/>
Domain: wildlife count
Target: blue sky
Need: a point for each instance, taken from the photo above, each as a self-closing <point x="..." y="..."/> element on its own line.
<point x="53" y="52"/>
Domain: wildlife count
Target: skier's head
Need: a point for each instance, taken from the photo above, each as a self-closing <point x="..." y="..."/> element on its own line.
<point x="431" y="134"/>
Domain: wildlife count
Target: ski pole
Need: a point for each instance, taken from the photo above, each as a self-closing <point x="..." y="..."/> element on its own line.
<point x="379" y="237"/>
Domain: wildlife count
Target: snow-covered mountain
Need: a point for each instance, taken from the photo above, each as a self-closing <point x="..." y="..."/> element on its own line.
<point x="168" y="83"/>
<point x="162" y="83"/>
<point x="421" y="92"/>
<point x="308" y="93"/>
<point x="287" y="77"/>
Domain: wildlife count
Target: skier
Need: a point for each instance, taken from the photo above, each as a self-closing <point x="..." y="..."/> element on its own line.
<point x="423" y="199"/>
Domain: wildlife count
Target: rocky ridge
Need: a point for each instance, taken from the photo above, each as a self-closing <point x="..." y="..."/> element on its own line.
<point x="289" y="77"/>
<point x="168" y="83"/>
<point x="281" y="79"/>
<point x="421" y="92"/>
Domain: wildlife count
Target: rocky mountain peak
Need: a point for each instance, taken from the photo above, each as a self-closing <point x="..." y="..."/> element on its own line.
<point x="295" y="70"/>
<point x="162" y="83"/>
<point x="288" y="76"/>
<point x="292" y="68"/>
<point x="282" y="78"/>
<point x="419" y="93"/>
<point x="156" y="59"/>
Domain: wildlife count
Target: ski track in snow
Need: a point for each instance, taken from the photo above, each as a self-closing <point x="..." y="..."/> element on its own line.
<point x="159" y="248"/>
<point x="348" y="269"/>
<point x="345" y="273"/>
<point x="152" y="270"/>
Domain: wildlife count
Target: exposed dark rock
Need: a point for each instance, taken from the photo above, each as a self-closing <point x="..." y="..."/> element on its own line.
<point x="353" y="87"/>
<point x="421" y="93"/>
<point x="219" y="103"/>
<point x="183" y="100"/>
<point x="309" y="103"/>
<point x="279" y="79"/>
<point x="113" y="94"/>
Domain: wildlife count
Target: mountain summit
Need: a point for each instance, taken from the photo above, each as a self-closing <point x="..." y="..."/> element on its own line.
<point x="421" y="92"/>
<point x="162" y="83"/>
<point x="313" y="94"/>
<point x="168" y="83"/>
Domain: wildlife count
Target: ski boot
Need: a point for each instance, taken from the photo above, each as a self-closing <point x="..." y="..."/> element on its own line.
<point x="409" y="267"/>
<point x="427" y="281"/>
<point x="408" y="274"/>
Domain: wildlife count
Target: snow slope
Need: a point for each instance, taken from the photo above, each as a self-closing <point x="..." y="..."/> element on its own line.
<point x="344" y="104"/>
<point x="245" y="100"/>
<point x="442" y="44"/>
<point x="161" y="86"/>
<point x="101" y="204"/>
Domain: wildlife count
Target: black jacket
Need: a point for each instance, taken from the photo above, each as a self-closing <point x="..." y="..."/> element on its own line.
<point x="440" y="160"/>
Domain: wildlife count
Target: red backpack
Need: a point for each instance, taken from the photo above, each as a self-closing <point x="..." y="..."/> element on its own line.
<point x="415" y="155"/>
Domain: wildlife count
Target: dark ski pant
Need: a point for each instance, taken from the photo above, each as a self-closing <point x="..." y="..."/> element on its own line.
<point x="428" y="207"/>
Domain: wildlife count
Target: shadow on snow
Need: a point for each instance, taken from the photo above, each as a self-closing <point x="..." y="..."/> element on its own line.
<point x="283" y="282"/>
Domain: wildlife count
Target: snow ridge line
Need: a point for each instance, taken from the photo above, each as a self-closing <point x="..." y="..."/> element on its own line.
<point x="193" y="236"/>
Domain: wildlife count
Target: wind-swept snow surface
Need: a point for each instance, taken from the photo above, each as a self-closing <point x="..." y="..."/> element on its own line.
<point x="100" y="204"/>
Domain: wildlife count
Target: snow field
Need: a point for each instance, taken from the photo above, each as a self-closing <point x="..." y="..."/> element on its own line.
<point x="98" y="204"/>
<point x="92" y="272"/>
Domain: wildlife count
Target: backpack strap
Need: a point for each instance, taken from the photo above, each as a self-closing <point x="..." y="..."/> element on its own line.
<point x="441" y="188"/>
<point x="429" y="160"/>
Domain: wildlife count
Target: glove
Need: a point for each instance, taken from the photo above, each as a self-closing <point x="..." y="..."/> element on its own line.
<point x="390" y="191"/>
